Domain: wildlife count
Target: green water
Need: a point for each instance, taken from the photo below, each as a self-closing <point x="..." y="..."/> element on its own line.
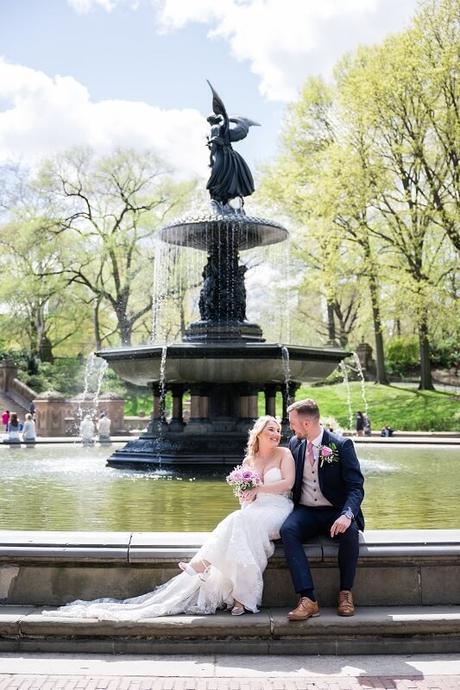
<point x="70" y="488"/>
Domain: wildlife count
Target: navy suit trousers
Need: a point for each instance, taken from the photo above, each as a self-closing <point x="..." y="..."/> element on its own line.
<point x="305" y="522"/>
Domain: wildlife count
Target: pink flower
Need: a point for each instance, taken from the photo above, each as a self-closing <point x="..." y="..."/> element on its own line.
<point x="326" y="452"/>
<point x="243" y="479"/>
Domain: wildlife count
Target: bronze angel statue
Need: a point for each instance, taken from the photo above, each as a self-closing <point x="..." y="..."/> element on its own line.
<point x="230" y="175"/>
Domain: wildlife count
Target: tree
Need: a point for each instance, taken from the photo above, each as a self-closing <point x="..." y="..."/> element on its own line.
<point x="437" y="34"/>
<point x="383" y="87"/>
<point x="41" y="316"/>
<point x="311" y="182"/>
<point x="111" y="208"/>
<point x="376" y="154"/>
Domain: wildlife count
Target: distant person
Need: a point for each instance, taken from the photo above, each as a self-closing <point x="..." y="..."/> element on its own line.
<point x="87" y="430"/>
<point x="32" y="409"/>
<point x="367" y="425"/>
<point x="103" y="428"/>
<point x="387" y="431"/>
<point x="13" y="428"/>
<point x="359" y="423"/>
<point x="5" y="418"/>
<point x="28" y="430"/>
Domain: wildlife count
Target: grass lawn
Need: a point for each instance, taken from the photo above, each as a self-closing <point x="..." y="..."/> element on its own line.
<point x="401" y="408"/>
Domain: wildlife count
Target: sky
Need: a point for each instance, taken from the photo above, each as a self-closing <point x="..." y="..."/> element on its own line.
<point x="109" y="73"/>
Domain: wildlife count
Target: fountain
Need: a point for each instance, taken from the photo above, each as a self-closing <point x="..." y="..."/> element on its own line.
<point x="223" y="360"/>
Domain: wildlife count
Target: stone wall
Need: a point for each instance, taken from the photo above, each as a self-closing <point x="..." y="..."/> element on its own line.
<point x="396" y="567"/>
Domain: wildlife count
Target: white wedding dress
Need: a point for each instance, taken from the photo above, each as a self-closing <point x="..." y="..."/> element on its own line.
<point x="238" y="550"/>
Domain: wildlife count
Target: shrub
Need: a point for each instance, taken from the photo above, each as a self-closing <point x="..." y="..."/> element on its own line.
<point x="402" y="355"/>
<point x="446" y="354"/>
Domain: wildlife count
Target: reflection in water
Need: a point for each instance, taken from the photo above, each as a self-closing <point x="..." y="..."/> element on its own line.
<point x="70" y="488"/>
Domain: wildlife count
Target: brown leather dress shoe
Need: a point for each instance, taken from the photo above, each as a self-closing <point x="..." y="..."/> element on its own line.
<point x="345" y="606"/>
<point x="306" y="608"/>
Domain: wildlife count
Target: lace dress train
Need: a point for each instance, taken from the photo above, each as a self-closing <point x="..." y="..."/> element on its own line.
<point x="238" y="550"/>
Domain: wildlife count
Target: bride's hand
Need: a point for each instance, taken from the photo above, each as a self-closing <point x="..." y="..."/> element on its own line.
<point x="250" y="495"/>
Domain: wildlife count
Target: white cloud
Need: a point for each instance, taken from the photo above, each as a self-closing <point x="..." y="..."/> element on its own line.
<point x="285" y="40"/>
<point x="44" y="115"/>
<point x="282" y="40"/>
<point x="85" y="6"/>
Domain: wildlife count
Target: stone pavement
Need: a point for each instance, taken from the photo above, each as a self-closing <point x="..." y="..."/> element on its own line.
<point x="220" y="672"/>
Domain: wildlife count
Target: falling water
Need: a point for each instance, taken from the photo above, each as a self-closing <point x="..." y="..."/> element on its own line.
<point x="162" y="384"/>
<point x="101" y="367"/>
<point x="343" y="369"/>
<point x="287" y="372"/>
<point x="363" y="385"/>
<point x="177" y="273"/>
<point x="93" y="377"/>
<point x="156" y="295"/>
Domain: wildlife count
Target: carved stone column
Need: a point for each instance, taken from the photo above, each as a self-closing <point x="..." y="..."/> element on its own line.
<point x="199" y="406"/>
<point x="253" y="407"/>
<point x="270" y="400"/>
<point x="177" y="421"/>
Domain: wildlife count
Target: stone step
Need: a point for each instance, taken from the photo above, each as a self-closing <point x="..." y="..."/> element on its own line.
<point x="373" y="630"/>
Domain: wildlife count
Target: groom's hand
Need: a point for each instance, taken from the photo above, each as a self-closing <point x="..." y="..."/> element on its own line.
<point x="340" y="525"/>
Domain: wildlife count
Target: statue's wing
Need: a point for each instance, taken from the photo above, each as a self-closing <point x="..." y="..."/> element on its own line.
<point x="218" y="106"/>
<point x="242" y="127"/>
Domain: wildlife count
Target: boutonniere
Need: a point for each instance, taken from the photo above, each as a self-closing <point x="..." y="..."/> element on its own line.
<point x="328" y="454"/>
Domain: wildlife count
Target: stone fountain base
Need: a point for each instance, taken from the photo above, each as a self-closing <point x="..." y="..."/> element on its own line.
<point x="229" y="383"/>
<point x="182" y="450"/>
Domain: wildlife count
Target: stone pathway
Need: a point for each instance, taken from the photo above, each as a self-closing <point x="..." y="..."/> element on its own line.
<point x="219" y="672"/>
<point x="50" y="682"/>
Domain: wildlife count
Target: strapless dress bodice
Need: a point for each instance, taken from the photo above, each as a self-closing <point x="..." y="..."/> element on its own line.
<point x="270" y="477"/>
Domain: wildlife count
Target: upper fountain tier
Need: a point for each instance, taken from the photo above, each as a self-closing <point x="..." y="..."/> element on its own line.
<point x="204" y="230"/>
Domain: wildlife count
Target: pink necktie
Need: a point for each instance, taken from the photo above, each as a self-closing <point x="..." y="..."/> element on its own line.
<point x="310" y="453"/>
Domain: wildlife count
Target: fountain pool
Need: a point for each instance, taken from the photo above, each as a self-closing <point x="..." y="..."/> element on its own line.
<point x="67" y="487"/>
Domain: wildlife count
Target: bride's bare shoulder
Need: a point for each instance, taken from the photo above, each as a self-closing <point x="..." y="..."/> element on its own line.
<point x="286" y="453"/>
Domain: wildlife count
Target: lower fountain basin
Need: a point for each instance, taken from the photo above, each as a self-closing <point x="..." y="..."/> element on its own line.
<point x="229" y="362"/>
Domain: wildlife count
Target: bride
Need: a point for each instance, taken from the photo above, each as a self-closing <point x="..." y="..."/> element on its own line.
<point x="228" y="568"/>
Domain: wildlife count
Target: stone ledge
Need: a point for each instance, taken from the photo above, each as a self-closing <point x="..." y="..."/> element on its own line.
<point x="396" y="567"/>
<point x="373" y="630"/>
<point x="145" y="547"/>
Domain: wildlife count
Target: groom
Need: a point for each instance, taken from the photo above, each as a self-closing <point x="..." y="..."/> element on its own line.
<point x="327" y="494"/>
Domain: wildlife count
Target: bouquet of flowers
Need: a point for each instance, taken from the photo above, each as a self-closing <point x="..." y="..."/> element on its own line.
<point x="242" y="479"/>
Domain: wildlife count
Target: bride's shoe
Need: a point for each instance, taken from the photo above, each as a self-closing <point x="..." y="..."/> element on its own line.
<point x="190" y="570"/>
<point x="187" y="568"/>
<point x="238" y="610"/>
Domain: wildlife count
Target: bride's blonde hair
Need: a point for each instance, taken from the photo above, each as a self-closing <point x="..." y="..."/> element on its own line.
<point x="253" y="441"/>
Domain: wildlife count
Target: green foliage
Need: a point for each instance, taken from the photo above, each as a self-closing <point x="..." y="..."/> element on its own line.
<point x="446" y="354"/>
<point x="402" y="355"/>
<point x="64" y="376"/>
<point x="368" y="171"/>
<point x="401" y="408"/>
<point x="18" y="357"/>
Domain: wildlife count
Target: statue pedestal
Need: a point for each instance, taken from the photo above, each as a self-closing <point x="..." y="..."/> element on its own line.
<point x="202" y="331"/>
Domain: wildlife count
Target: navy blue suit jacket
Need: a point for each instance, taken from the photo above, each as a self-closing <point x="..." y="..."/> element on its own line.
<point x="341" y="482"/>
